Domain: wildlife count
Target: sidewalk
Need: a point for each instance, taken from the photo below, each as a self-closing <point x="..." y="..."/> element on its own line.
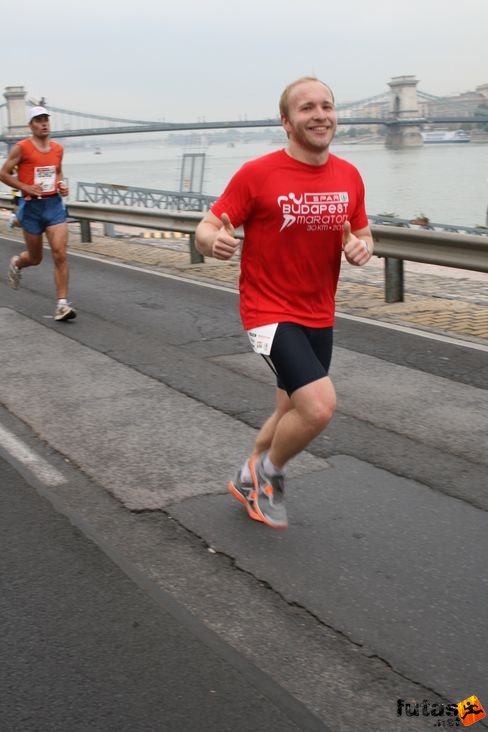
<point x="437" y="299"/>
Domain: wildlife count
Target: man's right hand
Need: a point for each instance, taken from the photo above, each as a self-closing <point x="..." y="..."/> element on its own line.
<point x="32" y="191"/>
<point x="225" y="242"/>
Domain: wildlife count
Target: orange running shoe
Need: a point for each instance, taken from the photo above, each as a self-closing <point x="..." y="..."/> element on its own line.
<point x="245" y="494"/>
<point x="269" y="501"/>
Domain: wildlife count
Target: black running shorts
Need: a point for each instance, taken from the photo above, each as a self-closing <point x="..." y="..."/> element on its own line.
<point x="300" y="355"/>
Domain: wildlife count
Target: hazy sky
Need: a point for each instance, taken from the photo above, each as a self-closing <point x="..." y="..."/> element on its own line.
<point x="222" y="59"/>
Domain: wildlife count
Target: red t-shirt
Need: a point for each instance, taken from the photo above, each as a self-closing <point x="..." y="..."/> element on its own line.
<point x="37" y="167"/>
<point x="293" y="216"/>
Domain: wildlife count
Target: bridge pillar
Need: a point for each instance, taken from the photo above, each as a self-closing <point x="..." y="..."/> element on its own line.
<point x="16" y="110"/>
<point x="403" y="107"/>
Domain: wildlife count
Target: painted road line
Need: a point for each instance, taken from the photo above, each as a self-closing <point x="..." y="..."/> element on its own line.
<point x="345" y="316"/>
<point x="27" y="457"/>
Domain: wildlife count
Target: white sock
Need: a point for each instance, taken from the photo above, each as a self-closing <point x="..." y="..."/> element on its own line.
<point x="269" y="468"/>
<point x="62" y="301"/>
<point x="246" y="473"/>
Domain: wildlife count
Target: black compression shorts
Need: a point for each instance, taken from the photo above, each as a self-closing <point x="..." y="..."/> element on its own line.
<point x="300" y="355"/>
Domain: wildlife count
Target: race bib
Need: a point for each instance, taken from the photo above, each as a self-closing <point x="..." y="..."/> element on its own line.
<point x="262" y="338"/>
<point x="45" y="177"/>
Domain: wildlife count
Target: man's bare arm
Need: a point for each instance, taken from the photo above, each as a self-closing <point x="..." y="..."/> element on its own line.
<point x="8" y="168"/>
<point x="215" y="237"/>
<point x="6" y="176"/>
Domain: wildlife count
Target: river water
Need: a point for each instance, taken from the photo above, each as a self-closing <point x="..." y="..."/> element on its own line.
<point x="448" y="183"/>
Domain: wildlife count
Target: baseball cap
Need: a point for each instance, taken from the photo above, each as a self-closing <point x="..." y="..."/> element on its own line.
<point x="36" y="112"/>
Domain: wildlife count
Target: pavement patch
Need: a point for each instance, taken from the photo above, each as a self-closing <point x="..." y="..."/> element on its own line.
<point x="384" y="560"/>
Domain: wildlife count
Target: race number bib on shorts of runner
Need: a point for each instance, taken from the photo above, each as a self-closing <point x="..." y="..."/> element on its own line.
<point x="262" y="338"/>
<point x="45" y="177"/>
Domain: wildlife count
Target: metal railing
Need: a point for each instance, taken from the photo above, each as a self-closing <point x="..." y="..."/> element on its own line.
<point x="427" y="225"/>
<point x="120" y="195"/>
<point x="395" y="244"/>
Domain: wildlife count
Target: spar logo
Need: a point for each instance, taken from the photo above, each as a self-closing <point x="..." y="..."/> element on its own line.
<point x="315" y="211"/>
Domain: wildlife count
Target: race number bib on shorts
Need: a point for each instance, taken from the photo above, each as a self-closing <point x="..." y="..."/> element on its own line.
<point x="262" y="338"/>
<point x="45" y="177"/>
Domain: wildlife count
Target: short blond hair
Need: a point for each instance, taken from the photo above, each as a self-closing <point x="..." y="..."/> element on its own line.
<point x="284" y="99"/>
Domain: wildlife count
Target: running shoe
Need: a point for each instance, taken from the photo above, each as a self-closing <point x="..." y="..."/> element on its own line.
<point x="245" y="494"/>
<point x="13" y="275"/>
<point x="269" y="502"/>
<point x="64" y="312"/>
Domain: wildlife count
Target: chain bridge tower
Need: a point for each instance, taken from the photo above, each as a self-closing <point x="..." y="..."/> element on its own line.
<point x="402" y="128"/>
<point x="16" y="110"/>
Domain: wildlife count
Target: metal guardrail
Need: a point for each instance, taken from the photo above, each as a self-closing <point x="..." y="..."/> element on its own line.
<point x="186" y="222"/>
<point x="464" y="251"/>
<point x="427" y="224"/>
<point x="395" y="244"/>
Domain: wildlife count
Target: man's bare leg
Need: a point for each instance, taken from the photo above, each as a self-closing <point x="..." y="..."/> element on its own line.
<point x="265" y="435"/>
<point x="309" y="411"/>
<point x="28" y="258"/>
<point x="296" y="421"/>
<point x="33" y="256"/>
<point x="312" y="408"/>
<point x="57" y="237"/>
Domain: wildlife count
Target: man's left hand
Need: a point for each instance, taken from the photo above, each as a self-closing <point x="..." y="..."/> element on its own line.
<point x="63" y="188"/>
<point x="357" y="251"/>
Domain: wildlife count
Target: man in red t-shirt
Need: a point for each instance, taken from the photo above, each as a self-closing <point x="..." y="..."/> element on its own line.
<point x="41" y="210"/>
<point x="300" y="209"/>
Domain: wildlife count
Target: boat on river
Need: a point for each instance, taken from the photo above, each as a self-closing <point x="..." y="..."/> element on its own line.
<point x="445" y="136"/>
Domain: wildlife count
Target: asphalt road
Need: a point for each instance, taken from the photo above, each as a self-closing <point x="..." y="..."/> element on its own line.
<point x="85" y="648"/>
<point x="151" y="397"/>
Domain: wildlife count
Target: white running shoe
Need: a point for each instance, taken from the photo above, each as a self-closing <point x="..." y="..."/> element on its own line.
<point x="13" y="275"/>
<point x="64" y="312"/>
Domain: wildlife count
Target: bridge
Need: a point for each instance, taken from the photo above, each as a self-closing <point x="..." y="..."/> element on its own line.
<point x="404" y="110"/>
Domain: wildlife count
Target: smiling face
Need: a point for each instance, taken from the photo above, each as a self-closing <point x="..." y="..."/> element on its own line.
<point x="310" y="119"/>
